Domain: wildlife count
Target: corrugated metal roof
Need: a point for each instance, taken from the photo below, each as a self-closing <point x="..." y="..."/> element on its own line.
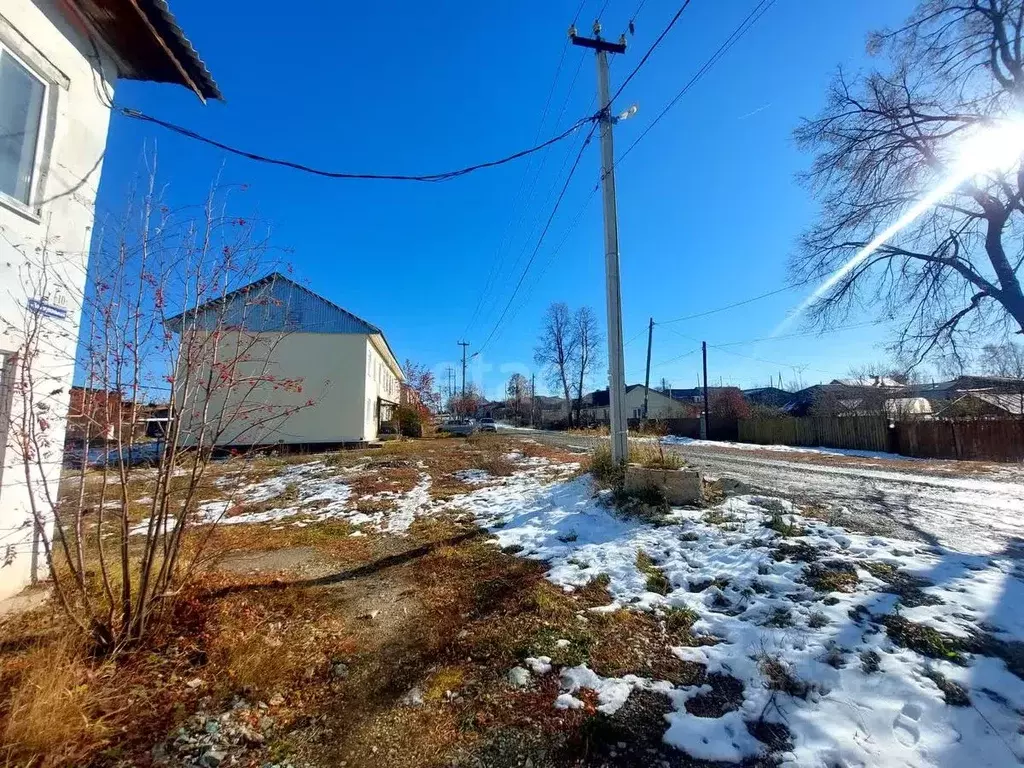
<point x="276" y="303"/>
<point x="149" y="43"/>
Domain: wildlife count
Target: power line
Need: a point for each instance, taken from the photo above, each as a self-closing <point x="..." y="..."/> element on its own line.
<point x="751" y="300"/>
<point x="673" y="359"/>
<point x="650" y="50"/>
<point x="744" y="26"/>
<point x="540" y="241"/>
<point x="502" y="246"/>
<point x="803" y="334"/>
<point x="430" y="177"/>
<point x="771" y="362"/>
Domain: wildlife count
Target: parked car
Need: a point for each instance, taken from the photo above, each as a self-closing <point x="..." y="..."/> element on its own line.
<point x="462" y="427"/>
<point x="488" y="425"/>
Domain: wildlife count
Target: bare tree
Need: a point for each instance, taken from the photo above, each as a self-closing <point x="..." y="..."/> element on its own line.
<point x="517" y="391"/>
<point x="555" y="351"/>
<point x="587" y="338"/>
<point x="888" y="140"/>
<point x="1003" y="360"/>
<point x="111" y="572"/>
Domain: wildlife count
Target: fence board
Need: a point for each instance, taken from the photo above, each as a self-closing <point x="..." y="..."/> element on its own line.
<point x="866" y="433"/>
<point x="988" y="439"/>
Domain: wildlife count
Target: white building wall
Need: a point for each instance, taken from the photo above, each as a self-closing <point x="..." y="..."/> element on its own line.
<point x="383" y="383"/>
<point x="55" y="227"/>
<point x="327" y="407"/>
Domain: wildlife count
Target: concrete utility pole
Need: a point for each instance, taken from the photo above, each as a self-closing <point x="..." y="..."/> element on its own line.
<point x="616" y="364"/>
<point x="463" y="344"/>
<point x="533" y="397"/>
<point x="647" y="376"/>
<point x="707" y="411"/>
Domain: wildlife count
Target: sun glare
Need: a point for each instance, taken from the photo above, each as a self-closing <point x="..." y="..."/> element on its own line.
<point x="997" y="147"/>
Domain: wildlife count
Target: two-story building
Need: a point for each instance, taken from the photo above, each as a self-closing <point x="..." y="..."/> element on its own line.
<point x="316" y="375"/>
<point x="59" y="63"/>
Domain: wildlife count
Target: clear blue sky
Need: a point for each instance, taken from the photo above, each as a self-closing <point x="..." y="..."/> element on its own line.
<point x="709" y="208"/>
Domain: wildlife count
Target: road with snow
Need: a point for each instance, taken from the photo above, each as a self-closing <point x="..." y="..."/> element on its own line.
<point x="965" y="514"/>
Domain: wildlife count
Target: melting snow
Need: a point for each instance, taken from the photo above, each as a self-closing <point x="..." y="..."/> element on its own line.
<point x="850" y="716"/>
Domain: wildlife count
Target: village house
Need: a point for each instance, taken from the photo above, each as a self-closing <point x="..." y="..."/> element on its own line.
<point x="596" y="405"/>
<point x="59" y="63"/>
<point x="343" y="379"/>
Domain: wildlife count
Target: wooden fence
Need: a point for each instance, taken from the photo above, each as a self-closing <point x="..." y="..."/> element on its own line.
<point x="866" y="433"/>
<point x="979" y="438"/>
<point x="992" y="439"/>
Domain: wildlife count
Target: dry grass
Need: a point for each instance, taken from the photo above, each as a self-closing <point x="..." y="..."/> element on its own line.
<point x="457" y="613"/>
<point x="54" y="715"/>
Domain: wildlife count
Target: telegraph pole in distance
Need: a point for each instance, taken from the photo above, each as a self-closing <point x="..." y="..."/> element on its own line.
<point x="647" y="376"/>
<point x="463" y="344"/>
<point x="616" y="365"/>
<point x="533" y="397"/>
<point x="707" y="411"/>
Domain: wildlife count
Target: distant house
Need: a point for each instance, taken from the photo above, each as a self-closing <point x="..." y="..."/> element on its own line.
<point x="549" y="411"/>
<point x="596" y="405"/>
<point x="347" y="381"/>
<point x="59" y="63"/>
<point x="981" y="403"/>
<point x="95" y="415"/>
<point x="768" y="397"/>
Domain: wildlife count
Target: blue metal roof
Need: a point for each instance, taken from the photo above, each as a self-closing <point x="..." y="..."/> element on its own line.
<point x="274" y="303"/>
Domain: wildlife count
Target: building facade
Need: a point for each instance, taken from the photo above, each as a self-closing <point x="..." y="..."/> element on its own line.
<point x="303" y="371"/>
<point x="59" y="63"/>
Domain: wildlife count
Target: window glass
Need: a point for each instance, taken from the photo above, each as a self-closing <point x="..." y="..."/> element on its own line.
<point x="21" y="110"/>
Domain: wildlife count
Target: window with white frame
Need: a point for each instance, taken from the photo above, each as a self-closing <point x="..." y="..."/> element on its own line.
<point x="22" y="95"/>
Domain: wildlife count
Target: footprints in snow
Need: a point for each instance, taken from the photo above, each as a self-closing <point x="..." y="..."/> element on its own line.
<point x="905" y="727"/>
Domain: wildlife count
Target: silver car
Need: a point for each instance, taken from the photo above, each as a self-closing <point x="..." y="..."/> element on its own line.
<point x="462" y="427"/>
<point x="488" y="425"/>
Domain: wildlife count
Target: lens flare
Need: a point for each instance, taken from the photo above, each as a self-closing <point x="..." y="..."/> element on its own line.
<point x="996" y="148"/>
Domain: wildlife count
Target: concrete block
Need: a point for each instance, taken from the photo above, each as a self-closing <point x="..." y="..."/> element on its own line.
<point x="679" y="486"/>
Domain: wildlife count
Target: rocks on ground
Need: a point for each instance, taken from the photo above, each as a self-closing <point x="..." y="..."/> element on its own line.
<point x="213" y="740"/>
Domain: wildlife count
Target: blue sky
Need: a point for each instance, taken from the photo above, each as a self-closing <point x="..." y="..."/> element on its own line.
<point x="709" y="208"/>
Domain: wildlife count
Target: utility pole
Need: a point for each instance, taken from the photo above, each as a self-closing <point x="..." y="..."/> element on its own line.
<point x="533" y="398"/>
<point x="647" y="375"/>
<point x="707" y="411"/>
<point x="616" y="364"/>
<point x="463" y="344"/>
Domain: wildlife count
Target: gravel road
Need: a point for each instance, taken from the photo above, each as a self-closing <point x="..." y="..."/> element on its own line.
<point x="965" y="514"/>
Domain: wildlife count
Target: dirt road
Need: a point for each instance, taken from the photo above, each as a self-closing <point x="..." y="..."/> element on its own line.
<point x="975" y="514"/>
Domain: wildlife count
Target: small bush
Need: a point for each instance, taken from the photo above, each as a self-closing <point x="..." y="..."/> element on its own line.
<point x="817" y="620"/>
<point x="778" y="524"/>
<point x="606" y="473"/>
<point x="410" y="421"/>
<point x="657" y="582"/>
<point x="923" y="639"/>
<point x="831" y="576"/>
<point x="654" y="457"/>
<point x="954" y="693"/>
<point x="680" y="620"/>
<point x="778" y="677"/>
<point x="779" y="618"/>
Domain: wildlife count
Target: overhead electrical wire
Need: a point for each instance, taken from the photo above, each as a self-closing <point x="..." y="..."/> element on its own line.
<point x="650" y="50"/>
<point x="540" y="240"/>
<point x="503" y="243"/>
<point x="724" y="48"/>
<point x="742" y="303"/>
<point x="428" y="177"/>
<point x="744" y="26"/>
